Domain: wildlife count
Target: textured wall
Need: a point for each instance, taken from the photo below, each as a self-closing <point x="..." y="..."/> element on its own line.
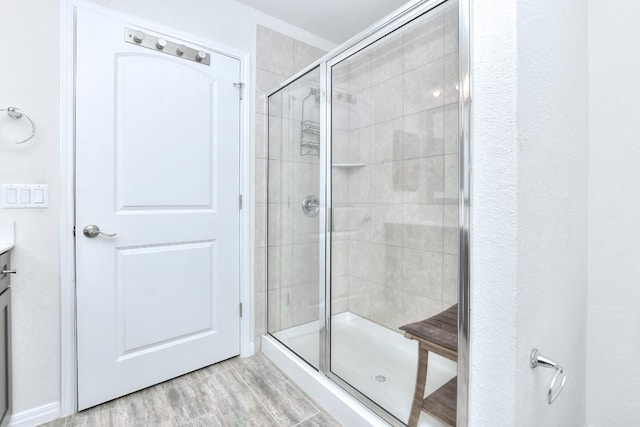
<point x="31" y="82"/>
<point x="529" y="222"/>
<point x="552" y="205"/>
<point x="613" y="328"/>
<point x="494" y="214"/>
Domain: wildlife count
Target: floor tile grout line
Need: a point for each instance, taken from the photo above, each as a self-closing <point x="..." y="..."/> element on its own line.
<point x="297" y="390"/>
<point x="116" y="412"/>
<point x="268" y="411"/>
<point x="307" y="419"/>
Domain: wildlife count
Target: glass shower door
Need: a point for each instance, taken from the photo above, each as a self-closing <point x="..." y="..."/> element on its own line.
<point x="394" y="198"/>
<point x="293" y="238"/>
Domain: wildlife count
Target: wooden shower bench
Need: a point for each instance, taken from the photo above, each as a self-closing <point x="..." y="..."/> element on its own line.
<point x="437" y="334"/>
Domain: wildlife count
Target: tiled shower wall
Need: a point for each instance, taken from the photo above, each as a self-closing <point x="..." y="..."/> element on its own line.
<point x="395" y="175"/>
<point x="277" y="58"/>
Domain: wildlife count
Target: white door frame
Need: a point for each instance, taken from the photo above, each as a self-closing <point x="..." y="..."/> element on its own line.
<point x="68" y="356"/>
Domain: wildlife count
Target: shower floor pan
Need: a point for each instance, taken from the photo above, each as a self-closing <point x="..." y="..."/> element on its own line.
<point x="377" y="361"/>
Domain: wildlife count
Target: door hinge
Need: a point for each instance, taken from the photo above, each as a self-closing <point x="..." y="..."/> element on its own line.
<point x="240" y="201"/>
<point x="240" y="86"/>
<point x="74" y="231"/>
<point x="240" y="309"/>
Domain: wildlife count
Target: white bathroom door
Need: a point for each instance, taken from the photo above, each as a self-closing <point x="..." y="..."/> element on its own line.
<point x="157" y="162"/>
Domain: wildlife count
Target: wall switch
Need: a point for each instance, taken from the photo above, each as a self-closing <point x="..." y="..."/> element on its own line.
<point x="20" y="196"/>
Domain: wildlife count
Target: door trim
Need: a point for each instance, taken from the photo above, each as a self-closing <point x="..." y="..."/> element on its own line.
<point x="68" y="354"/>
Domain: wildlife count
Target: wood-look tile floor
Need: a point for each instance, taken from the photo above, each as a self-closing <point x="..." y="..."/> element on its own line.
<point x="234" y="393"/>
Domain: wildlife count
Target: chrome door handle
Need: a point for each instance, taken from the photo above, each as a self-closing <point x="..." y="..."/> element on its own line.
<point x="12" y="271"/>
<point x="92" y="231"/>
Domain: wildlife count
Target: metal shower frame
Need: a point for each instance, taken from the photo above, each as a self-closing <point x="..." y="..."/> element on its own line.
<point x="377" y="31"/>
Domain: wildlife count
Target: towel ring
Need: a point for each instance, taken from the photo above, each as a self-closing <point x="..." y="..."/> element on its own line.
<point x="16" y="113"/>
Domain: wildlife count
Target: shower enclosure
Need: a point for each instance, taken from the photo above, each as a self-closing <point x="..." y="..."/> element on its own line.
<point x="367" y="214"/>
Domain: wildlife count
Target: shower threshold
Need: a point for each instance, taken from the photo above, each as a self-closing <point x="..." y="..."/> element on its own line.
<point x="385" y="367"/>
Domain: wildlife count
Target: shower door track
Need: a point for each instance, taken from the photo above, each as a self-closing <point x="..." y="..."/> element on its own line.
<point x="359" y="42"/>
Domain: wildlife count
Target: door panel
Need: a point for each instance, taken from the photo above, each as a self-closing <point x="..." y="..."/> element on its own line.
<point x="156" y="285"/>
<point x="184" y="143"/>
<point x="157" y="162"/>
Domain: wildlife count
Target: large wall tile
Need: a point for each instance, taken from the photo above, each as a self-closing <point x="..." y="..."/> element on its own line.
<point x="451" y="31"/>
<point x="423" y="227"/>
<point x="387" y="58"/>
<point x="423" y="134"/>
<point x="305" y="54"/>
<point x="422" y="273"/>
<point x="424" y="87"/>
<point x="388" y="99"/>
<point x="424" y="41"/>
<point x="388" y="141"/>
<point x="451" y="230"/>
<point x="450" y="280"/>
<point x="451" y="137"/>
<point x="386" y="223"/>
<point x="451" y="78"/>
<point x="275" y="51"/>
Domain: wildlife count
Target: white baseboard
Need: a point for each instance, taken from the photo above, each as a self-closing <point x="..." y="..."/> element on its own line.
<point x="251" y="350"/>
<point x="36" y="416"/>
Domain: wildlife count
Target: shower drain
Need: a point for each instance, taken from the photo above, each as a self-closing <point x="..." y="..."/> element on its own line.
<point x="381" y="378"/>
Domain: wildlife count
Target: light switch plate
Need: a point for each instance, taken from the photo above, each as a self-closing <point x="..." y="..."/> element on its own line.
<point x="21" y="196"/>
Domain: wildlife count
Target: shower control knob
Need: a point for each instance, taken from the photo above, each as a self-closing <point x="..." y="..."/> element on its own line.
<point x="161" y="44"/>
<point x="201" y="56"/>
<point x="181" y="49"/>
<point x="138" y="36"/>
<point x="310" y="205"/>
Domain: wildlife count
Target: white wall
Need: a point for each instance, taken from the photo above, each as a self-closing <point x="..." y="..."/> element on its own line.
<point x="29" y="79"/>
<point x="552" y="206"/>
<point x="529" y="223"/>
<point x="226" y="21"/>
<point x="613" y="333"/>
<point x="494" y="213"/>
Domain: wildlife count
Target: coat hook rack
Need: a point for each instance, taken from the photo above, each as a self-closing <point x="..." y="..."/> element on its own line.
<point x="16" y="113"/>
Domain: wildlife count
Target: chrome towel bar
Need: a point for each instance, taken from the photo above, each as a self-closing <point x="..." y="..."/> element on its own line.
<point x="537" y="359"/>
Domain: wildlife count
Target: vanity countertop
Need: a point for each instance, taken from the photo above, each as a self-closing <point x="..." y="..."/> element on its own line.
<point x="7" y="236"/>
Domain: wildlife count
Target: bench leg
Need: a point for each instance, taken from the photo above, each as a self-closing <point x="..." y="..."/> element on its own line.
<point x="421" y="380"/>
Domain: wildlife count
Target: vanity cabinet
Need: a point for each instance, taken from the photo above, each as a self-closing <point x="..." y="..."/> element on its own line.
<point x="5" y="339"/>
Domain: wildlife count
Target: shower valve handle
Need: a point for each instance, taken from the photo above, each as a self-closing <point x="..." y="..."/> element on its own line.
<point x="310" y="205"/>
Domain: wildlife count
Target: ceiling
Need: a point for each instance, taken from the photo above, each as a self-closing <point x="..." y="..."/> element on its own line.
<point x="333" y="20"/>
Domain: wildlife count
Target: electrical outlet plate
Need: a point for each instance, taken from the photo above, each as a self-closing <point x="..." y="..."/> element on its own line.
<point x="21" y="196"/>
